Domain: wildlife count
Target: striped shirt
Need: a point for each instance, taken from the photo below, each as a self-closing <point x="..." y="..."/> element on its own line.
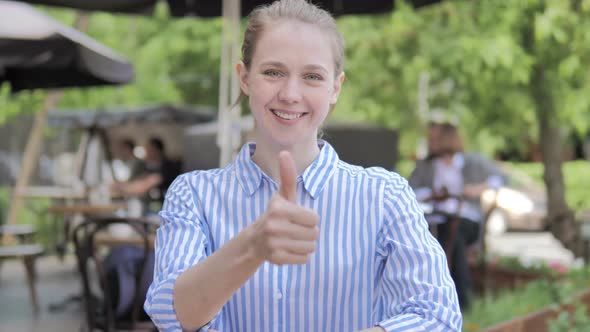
<point x="375" y="261"/>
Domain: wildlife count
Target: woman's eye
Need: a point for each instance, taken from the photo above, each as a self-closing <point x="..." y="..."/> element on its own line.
<point x="313" y="77"/>
<point x="272" y="73"/>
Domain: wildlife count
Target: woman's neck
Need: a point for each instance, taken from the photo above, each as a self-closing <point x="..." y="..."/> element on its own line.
<point x="266" y="156"/>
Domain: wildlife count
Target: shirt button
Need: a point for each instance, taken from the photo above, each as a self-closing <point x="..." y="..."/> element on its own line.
<point x="278" y="295"/>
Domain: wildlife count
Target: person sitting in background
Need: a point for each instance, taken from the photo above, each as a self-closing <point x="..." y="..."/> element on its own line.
<point x="127" y="166"/>
<point x="448" y="170"/>
<point x="154" y="178"/>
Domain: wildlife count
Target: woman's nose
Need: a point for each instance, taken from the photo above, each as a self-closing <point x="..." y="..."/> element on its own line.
<point x="290" y="92"/>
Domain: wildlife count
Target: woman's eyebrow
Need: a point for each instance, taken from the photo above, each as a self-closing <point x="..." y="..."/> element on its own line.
<point x="316" y="67"/>
<point x="273" y="64"/>
<point x="310" y="67"/>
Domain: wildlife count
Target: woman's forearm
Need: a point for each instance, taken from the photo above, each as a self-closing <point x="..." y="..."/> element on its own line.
<point x="201" y="291"/>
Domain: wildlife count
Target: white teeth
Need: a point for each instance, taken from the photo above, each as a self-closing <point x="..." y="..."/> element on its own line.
<point x="287" y="116"/>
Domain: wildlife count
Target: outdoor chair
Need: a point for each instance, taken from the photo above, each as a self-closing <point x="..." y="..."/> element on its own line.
<point x="23" y="249"/>
<point x="452" y="218"/>
<point x="91" y="246"/>
<point x="480" y="263"/>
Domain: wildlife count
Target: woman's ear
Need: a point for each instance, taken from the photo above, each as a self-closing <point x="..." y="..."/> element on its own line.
<point x="243" y="77"/>
<point x="337" y="88"/>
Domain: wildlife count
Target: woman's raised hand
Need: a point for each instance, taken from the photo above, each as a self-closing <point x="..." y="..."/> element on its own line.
<point x="286" y="233"/>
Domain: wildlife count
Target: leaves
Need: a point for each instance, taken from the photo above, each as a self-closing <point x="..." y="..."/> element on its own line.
<point x="480" y="46"/>
<point x="475" y="54"/>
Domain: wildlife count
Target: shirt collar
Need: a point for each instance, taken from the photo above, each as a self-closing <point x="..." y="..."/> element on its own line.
<point x="314" y="177"/>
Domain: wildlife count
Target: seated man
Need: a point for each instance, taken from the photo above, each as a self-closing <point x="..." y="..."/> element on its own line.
<point x="154" y="179"/>
<point x="448" y="170"/>
<point x="126" y="165"/>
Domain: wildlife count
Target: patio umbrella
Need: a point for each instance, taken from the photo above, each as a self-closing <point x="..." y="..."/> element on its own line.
<point x="138" y="124"/>
<point x="213" y="8"/>
<point x="36" y="51"/>
<point x="113" y="6"/>
<point x="126" y="117"/>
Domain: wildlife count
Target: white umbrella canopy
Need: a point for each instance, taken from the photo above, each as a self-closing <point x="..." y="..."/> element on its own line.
<point x="36" y="51"/>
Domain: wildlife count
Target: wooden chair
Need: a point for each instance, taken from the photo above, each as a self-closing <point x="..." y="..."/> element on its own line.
<point x="88" y="249"/>
<point x="25" y="250"/>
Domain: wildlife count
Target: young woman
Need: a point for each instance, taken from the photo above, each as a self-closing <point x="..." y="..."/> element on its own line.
<point x="288" y="237"/>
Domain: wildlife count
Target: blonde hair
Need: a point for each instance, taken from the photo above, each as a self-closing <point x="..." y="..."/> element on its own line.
<point x="299" y="10"/>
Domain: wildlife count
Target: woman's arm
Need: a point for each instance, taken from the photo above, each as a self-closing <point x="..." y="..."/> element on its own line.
<point x="201" y="291"/>
<point x="284" y="234"/>
<point x="418" y="292"/>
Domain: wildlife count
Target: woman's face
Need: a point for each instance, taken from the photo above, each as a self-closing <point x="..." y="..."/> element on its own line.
<point x="291" y="83"/>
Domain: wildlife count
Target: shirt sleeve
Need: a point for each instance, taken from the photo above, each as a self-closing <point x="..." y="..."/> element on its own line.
<point x="415" y="288"/>
<point x="181" y="242"/>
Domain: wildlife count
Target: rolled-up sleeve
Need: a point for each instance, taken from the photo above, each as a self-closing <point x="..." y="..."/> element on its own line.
<point x="415" y="289"/>
<point x="181" y="242"/>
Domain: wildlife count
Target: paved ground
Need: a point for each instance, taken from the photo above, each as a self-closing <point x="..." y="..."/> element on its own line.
<point x="56" y="281"/>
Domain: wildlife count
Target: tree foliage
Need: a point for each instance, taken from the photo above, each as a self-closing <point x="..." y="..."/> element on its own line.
<point x="479" y="64"/>
<point x="515" y="70"/>
<point x="509" y="70"/>
<point x="473" y="52"/>
<point x="176" y="61"/>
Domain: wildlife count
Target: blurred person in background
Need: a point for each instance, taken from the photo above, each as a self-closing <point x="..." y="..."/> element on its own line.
<point x="127" y="166"/>
<point x="449" y="171"/>
<point x="153" y="178"/>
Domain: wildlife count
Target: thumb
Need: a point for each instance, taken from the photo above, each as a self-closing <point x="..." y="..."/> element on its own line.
<point x="288" y="175"/>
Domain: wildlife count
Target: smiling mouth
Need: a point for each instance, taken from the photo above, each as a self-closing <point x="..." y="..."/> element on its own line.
<point x="287" y="116"/>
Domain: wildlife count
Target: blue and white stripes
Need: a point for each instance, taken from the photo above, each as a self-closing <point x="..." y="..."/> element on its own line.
<point x="375" y="262"/>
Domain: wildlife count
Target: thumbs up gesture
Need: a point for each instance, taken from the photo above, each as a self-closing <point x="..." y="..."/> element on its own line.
<point x="286" y="232"/>
<point x="288" y="173"/>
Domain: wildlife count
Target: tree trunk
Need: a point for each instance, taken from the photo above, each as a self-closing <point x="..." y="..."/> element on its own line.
<point x="560" y="219"/>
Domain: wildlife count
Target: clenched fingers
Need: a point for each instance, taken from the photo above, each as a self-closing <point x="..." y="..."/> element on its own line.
<point x="297" y="247"/>
<point x="281" y="208"/>
<point x="284" y="257"/>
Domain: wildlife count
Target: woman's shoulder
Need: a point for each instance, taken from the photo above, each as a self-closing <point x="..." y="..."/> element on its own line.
<point x="373" y="172"/>
<point x="196" y="177"/>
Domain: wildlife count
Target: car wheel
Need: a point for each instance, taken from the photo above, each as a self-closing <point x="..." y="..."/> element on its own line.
<point x="497" y="223"/>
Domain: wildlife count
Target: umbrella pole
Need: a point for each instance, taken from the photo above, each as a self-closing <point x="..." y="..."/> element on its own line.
<point x="32" y="150"/>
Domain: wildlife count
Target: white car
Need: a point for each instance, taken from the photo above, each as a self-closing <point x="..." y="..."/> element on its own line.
<point x="521" y="204"/>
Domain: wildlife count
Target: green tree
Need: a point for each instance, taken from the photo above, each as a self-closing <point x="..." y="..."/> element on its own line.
<point x="514" y="65"/>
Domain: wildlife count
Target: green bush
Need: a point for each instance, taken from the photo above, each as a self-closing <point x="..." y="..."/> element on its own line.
<point x="34" y="212"/>
<point x="489" y="310"/>
<point x="579" y="321"/>
<point x="508" y="304"/>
